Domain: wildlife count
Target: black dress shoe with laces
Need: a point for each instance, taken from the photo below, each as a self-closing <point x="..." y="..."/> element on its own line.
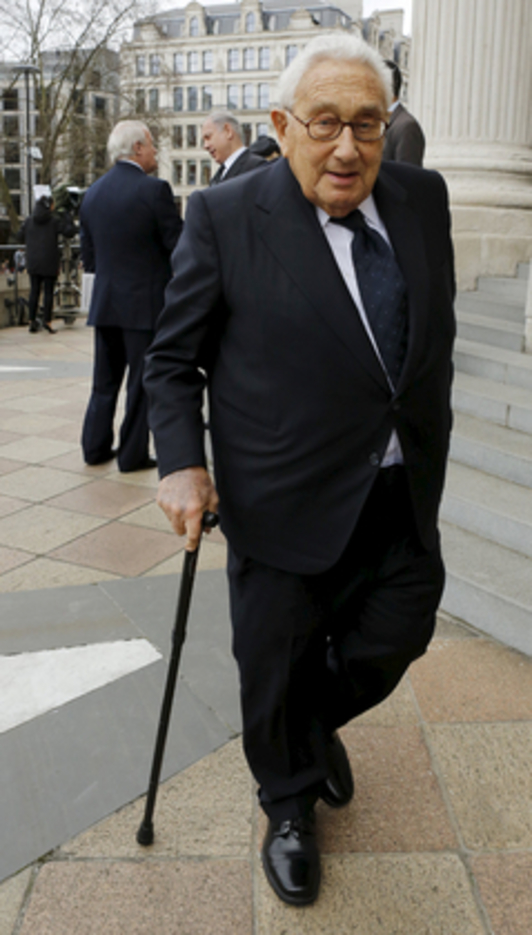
<point x="291" y="860"/>
<point x="141" y="466"/>
<point x="338" y="789"/>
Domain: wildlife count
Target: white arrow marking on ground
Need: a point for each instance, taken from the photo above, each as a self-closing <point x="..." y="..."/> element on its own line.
<point x="36" y="682"/>
<point x="18" y="369"/>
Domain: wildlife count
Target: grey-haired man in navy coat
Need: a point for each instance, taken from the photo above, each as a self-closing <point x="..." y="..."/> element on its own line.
<point x="129" y="227"/>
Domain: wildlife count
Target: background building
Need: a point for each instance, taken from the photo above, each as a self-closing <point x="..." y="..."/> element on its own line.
<point x="182" y="63"/>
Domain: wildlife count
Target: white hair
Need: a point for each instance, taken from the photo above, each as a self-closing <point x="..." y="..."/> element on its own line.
<point x="324" y="47"/>
<point x="123" y="137"/>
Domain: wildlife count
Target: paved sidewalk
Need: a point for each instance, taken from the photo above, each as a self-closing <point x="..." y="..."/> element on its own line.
<point x="438" y="840"/>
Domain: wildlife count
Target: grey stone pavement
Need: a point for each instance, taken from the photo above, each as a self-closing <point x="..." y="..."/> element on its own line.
<point x="438" y="840"/>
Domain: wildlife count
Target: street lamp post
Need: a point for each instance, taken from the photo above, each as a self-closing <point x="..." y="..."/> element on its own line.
<point x="27" y="70"/>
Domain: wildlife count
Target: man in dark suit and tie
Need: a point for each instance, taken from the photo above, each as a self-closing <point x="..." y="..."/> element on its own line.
<point x="405" y="141"/>
<point x="129" y="227"/>
<point x="222" y="138"/>
<point x="315" y="303"/>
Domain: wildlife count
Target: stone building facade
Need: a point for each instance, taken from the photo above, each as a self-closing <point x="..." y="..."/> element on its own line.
<point x="182" y="63"/>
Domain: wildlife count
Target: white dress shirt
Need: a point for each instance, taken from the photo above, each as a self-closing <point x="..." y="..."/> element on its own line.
<point x="340" y="239"/>
<point x="230" y="159"/>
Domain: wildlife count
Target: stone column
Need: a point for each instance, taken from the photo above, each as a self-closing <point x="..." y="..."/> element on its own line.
<point x="471" y="89"/>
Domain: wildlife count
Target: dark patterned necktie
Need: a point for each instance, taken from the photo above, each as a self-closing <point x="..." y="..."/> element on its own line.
<point x="382" y="289"/>
<point x="217" y="177"/>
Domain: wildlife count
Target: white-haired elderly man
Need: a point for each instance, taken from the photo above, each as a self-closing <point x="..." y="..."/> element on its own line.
<point x="314" y="300"/>
<point x="129" y="227"/>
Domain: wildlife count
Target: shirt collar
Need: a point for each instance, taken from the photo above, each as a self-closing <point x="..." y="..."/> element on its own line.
<point x="233" y="157"/>
<point x="367" y="207"/>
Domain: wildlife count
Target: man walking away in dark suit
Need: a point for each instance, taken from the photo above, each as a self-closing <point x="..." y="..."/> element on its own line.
<point x="40" y="233"/>
<point x="129" y="227"/>
<point x="315" y="302"/>
<point x="404" y="141"/>
<point x="222" y="138"/>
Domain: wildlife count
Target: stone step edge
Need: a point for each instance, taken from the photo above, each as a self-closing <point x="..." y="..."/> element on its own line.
<point x="509" y="532"/>
<point x="491" y="460"/>
<point x="496" y="324"/>
<point x="497" y="355"/>
<point x="499" y="617"/>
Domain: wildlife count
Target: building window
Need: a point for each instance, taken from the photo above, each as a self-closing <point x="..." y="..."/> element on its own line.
<point x="232" y="60"/>
<point x="192" y="98"/>
<point x="232" y="96"/>
<point x="194" y="26"/>
<point x="12" y="177"/>
<point x="264" y="58"/>
<point x="10" y="99"/>
<point x="207" y="61"/>
<point x="248" y="97"/>
<point x="153" y="100"/>
<point x="178" y="201"/>
<point x="99" y="106"/>
<point x="193" y="62"/>
<point x="140" y="65"/>
<point x="178" y="98"/>
<point x="262" y="129"/>
<point x="246" y="133"/>
<point x="205" y="171"/>
<point x="290" y="54"/>
<point x="11" y="152"/>
<point x="264" y="96"/>
<point x="79" y="102"/>
<point x="177" y="136"/>
<point x="192" y="136"/>
<point x="250" y="22"/>
<point x="179" y="63"/>
<point x="177" y="172"/>
<point x="140" y="101"/>
<point x="11" y="127"/>
<point x="249" y="59"/>
<point x="191" y="172"/>
<point x="206" y="97"/>
<point x="155" y="65"/>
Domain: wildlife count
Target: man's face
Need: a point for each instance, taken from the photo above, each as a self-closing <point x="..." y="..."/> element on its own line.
<point x="146" y="154"/>
<point x="217" y="140"/>
<point x="339" y="174"/>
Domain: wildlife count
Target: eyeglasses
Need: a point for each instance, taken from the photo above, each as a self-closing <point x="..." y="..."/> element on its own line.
<point x="325" y="128"/>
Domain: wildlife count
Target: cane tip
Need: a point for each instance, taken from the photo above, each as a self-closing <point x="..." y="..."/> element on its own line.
<point x="145" y="834"/>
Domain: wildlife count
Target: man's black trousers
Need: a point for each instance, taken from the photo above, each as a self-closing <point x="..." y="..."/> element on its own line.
<point x="115" y="350"/>
<point x="315" y="651"/>
<point x="47" y="283"/>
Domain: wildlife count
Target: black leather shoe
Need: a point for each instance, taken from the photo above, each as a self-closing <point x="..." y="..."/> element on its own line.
<point x="102" y="459"/>
<point x="142" y="466"/>
<point x="338" y="789"/>
<point x="291" y="860"/>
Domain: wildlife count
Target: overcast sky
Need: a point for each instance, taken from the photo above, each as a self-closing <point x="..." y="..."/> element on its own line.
<point x="371" y="5"/>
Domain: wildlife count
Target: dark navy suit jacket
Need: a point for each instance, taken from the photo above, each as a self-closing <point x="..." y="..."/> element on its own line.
<point x="300" y="408"/>
<point x="129" y="227"/>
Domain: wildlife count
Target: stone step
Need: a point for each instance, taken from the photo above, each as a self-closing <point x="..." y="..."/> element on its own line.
<point x="488" y="587"/>
<point x="493" y="331"/>
<point x="489" y="507"/>
<point x="492" y="448"/>
<point x="503" y="286"/>
<point x="489" y="306"/>
<point x="501" y="403"/>
<point x="523" y="270"/>
<point x="493" y="363"/>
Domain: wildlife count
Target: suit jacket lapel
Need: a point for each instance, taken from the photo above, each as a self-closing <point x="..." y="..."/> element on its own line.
<point x="291" y="230"/>
<point x="406" y="235"/>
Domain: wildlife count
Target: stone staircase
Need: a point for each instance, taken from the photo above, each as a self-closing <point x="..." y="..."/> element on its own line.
<point x="487" y="508"/>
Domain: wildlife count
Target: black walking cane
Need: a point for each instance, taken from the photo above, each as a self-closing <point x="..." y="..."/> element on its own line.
<point x="145" y="832"/>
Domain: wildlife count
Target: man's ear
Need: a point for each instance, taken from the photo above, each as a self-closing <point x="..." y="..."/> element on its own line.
<point x="280" y="122"/>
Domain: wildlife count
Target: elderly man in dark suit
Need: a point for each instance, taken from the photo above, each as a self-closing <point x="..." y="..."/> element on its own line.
<point x="129" y="227"/>
<point x="405" y="141"/>
<point x="222" y="138"/>
<point x="315" y="301"/>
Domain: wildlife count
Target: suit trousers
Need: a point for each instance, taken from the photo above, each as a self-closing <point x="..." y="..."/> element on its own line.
<point x="315" y="651"/>
<point x="47" y="283"/>
<point x="117" y="349"/>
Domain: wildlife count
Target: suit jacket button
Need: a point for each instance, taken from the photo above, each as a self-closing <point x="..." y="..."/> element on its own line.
<point x="374" y="459"/>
